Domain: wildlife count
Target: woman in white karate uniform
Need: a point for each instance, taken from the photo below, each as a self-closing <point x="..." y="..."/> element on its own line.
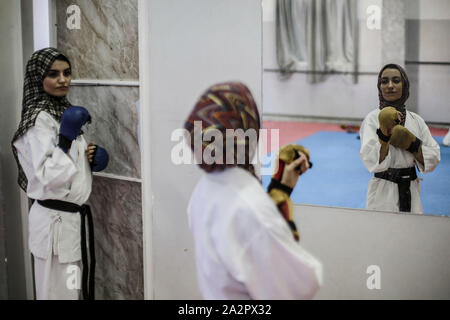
<point x="246" y="242"/>
<point x="55" y="164"/>
<point x="393" y="142"/>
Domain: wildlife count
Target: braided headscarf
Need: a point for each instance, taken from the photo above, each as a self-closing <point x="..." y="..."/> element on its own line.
<point x="400" y="103"/>
<point x="35" y="99"/>
<point x="223" y="106"/>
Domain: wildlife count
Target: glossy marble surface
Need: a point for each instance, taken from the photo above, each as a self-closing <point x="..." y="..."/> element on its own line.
<point x="393" y="32"/>
<point x="114" y="125"/>
<point x="3" y="282"/>
<point x="117" y="212"/>
<point x="106" y="45"/>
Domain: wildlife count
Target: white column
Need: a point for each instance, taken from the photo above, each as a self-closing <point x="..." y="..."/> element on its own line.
<point x="11" y="84"/>
<point x="184" y="48"/>
<point x="41" y="24"/>
<point x="145" y="134"/>
<point x="393" y="34"/>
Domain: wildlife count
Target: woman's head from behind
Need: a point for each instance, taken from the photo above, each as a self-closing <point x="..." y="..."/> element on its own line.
<point x="224" y="127"/>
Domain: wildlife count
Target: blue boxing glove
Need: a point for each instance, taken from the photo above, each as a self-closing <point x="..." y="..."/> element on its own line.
<point x="100" y="159"/>
<point x="71" y="122"/>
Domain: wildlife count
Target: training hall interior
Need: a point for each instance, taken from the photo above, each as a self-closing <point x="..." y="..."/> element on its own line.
<point x="312" y="66"/>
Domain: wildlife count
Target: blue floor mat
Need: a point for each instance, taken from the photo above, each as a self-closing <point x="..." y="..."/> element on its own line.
<point x="435" y="187"/>
<point x="339" y="179"/>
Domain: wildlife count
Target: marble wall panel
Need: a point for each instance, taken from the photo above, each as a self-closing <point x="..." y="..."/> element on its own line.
<point x="114" y="125"/>
<point x="116" y="207"/>
<point x="3" y="282"/>
<point x="106" y="45"/>
<point x="393" y="35"/>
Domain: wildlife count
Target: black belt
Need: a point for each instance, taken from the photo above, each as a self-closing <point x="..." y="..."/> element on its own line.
<point x="403" y="178"/>
<point x="88" y="276"/>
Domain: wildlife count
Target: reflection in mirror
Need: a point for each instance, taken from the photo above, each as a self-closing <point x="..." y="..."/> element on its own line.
<point x="101" y="38"/>
<point x="321" y="68"/>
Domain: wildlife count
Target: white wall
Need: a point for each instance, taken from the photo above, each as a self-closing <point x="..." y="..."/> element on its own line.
<point x="11" y="69"/>
<point x="41" y="24"/>
<point x="338" y="97"/>
<point x="428" y="9"/>
<point x="187" y="48"/>
<point x="3" y="277"/>
<point x="428" y="28"/>
<point x="412" y="251"/>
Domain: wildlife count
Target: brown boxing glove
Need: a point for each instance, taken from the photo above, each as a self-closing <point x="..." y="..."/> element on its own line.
<point x="389" y="117"/>
<point x="288" y="154"/>
<point x="403" y="138"/>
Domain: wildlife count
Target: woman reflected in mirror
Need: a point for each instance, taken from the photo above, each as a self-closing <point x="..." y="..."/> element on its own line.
<point x="394" y="141"/>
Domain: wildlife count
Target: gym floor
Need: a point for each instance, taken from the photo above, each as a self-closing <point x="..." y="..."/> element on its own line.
<point x="338" y="177"/>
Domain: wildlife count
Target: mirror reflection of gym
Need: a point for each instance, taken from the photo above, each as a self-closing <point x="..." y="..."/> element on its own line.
<point x="321" y="66"/>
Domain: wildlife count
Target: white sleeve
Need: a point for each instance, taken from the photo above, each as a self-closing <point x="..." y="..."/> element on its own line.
<point x="430" y="149"/>
<point x="48" y="169"/>
<point x="276" y="267"/>
<point x="370" y="146"/>
<point x="446" y="141"/>
<point x="265" y="258"/>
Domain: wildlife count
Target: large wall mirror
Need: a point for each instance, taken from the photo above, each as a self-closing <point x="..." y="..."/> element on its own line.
<point x="321" y="61"/>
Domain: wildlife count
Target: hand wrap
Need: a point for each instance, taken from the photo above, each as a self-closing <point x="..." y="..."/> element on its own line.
<point x="403" y="138"/>
<point x="279" y="192"/>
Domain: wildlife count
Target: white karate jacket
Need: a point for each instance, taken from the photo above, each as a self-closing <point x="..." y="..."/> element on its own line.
<point x="54" y="175"/>
<point x="446" y="140"/>
<point x="383" y="194"/>
<point x="244" y="247"/>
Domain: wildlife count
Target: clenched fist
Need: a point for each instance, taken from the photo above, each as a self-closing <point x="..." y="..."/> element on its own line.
<point x="389" y="117"/>
<point x="403" y="138"/>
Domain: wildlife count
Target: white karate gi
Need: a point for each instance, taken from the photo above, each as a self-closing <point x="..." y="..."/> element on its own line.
<point x="244" y="247"/>
<point x="446" y="141"/>
<point x="383" y="194"/>
<point x="54" y="175"/>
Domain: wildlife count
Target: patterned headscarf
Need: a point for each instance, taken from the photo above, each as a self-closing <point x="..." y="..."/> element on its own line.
<point x="223" y="106"/>
<point x="35" y="99"/>
<point x="400" y="103"/>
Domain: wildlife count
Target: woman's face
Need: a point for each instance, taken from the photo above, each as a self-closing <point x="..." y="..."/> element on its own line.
<point x="391" y="85"/>
<point x="57" y="80"/>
